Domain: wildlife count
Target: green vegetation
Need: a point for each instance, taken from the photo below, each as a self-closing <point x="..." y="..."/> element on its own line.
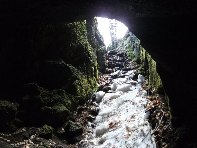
<point x="149" y="68"/>
<point x="55" y="106"/>
<point x="46" y="132"/>
<point x="130" y="53"/>
<point x="138" y="54"/>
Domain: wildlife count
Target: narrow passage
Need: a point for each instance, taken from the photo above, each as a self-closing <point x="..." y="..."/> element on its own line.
<point x="122" y="120"/>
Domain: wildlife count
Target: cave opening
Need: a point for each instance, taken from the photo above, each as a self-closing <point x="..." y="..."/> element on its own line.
<point x="109" y="28"/>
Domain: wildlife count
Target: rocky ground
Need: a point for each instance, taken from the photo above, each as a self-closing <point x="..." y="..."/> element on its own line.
<point x="124" y="112"/>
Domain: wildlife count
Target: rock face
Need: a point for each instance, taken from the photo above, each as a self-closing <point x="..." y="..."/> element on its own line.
<point x="167" y="29"/>
<point x="97" y="42"/>
<point x="7" y="114"/>
<point x="57" y="73"/>
<point x="149" y="67"/>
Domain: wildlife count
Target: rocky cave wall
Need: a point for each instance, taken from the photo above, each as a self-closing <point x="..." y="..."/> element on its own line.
<point x="47" y="71"/>
<point x="148" y="66"/>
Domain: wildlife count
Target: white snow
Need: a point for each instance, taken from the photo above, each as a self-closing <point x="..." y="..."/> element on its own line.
<point x="118" y="72"/>
<point x="124" y="87"/>
<point x="114" y="86"/>
<point x="99" y="96"/>
<point x="122" y="120"/>
<point x="140" y="78"/>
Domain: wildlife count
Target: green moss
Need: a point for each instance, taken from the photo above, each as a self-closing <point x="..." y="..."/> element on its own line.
<point x="7" y="106"/>
<point x="81" y="86"/>
<point x="149" y="68"/>
<point x="7" y="115"/>
<point x="85" y="86"/>
<point x="55" y="115"/>
<point x="46" y="132"/>
<point x="154" y="77"/>
<point x="73" y="127"/>
<point x="60" y="108"/>
<point x="56" y="106"/>
<point x="66" y="71"/>
<point x="52" y="97"/>
<point x="129" y="50"/>
<point x="80" y="29"/>
<point x="79" y="32"/>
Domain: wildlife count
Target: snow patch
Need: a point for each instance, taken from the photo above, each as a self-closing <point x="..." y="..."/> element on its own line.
<point x="122" y="120"/>
<point x="140" y="78"/>
<point x="99" y="96"/>
<point x="124" y="87"/>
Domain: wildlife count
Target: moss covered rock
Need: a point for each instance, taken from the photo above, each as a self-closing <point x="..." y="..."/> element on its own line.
<point x="46" y="132"/>
<point x="55" y="115"/>
<point x="68" y="41"/>
<point x="73" y="128"/>
<point x="7" y="108"/>
<point x="101" y="59"/>
<point x="97" y="43"/>
<point x="72" y="132"/>
<point x="7" y="114"/>
<point x="149" y="68"/>
<point x="55" y="106"/>
<point x="48" y="106"/>
<point x="55" y="74"/>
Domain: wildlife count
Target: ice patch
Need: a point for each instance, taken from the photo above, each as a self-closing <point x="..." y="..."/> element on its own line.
<point x="140" y="78"/>
<point x="99" y="96"/>
<point x="124" y="87"/>
<point x="101" y="129"/>
<point x="114" y="86"/>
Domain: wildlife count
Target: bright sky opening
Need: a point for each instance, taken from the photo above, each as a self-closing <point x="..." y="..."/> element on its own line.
<point x="103" y="27"/>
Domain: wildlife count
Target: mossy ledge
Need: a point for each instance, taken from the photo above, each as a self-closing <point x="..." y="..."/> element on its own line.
<point x="149" y="68"/>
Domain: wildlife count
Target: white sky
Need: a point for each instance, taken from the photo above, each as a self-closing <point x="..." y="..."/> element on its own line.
<point x="103" y="27"/>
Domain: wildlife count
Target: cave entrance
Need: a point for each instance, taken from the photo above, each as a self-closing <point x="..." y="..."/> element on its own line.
<point x="117" y="37"/>
<point x="111" y="30"/>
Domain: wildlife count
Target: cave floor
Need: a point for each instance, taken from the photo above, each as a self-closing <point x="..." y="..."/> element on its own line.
<point x="122" y="120"/>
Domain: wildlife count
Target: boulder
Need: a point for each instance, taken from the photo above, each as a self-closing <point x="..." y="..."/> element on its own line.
<point x="46" y="132"/>
<point x="55" y="115"/>
<point x="55" y="74"/>
<point x="72" y="132"/>
<point x="7" y="114"/>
